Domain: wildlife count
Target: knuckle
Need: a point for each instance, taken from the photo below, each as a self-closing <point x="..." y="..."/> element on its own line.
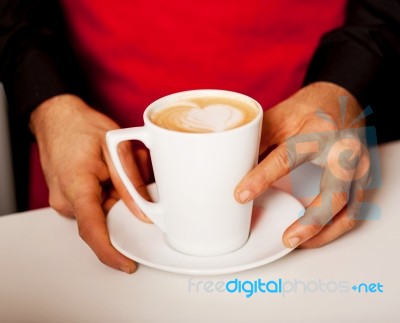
<point x="314" y="224"/>
<point x="284" y="158"/>
<point x="59" y="204"/>
<point x="351" y="144"/>
<point x="329" y="128"/>
<point x="349" y="224"/>
<point x="66" y="183"/>
<point x="339" y="199"/>
<point x="314" y="227"/>
<point x="103" y="259"/>
<point x="85" y="231"/>
<point x="355" y="145"/>
<point x="124" y="148"/>
<point x="81" y="200"/>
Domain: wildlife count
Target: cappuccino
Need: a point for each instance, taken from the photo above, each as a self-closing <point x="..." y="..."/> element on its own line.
<point x="201" y="158"/>
<point x="204" y="114"/>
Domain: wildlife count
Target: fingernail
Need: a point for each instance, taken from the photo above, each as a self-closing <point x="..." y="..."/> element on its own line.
<point x="145" y="218"/>
<point x="244" y="196"/>
<point x="127" y="269"/>
<point x="293" y="242"/>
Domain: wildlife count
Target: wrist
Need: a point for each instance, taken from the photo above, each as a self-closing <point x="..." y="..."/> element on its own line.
<point x="47" y="112"/>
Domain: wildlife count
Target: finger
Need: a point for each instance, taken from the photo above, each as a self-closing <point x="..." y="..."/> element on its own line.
<point x="110" y="200"/>
<point x="131" y="169"/>
<point x="84" y="194"/>
<point x="343" y="164"/>
<point x="278" y="163"/>
<point x="143" y="161"/>
<point x="340" y="225"/>
<point x="321" y="210"/>
<point x="346" y="219"/>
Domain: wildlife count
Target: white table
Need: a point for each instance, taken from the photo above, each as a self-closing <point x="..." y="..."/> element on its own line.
<point x="47" y="274"/>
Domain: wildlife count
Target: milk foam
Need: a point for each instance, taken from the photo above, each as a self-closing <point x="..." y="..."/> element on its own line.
<point x="203" y="116"/>
<point x="214" y="118"/>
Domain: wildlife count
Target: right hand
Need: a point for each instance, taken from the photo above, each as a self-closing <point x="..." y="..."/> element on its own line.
<point x="78" y="168"/>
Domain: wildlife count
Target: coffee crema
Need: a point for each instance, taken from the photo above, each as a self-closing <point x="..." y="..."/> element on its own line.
<point x="204" y="114"/>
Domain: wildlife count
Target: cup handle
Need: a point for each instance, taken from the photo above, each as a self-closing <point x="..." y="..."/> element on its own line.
<point x="113" y="138"/>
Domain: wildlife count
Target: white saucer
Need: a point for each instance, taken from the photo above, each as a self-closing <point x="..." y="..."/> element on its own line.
<point x="273" y="212"/>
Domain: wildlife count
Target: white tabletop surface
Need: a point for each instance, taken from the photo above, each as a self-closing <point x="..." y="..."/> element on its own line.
<point x="48" y="274"/>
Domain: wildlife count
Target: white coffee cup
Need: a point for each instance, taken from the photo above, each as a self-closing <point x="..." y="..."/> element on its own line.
<point x="196" y="174"/>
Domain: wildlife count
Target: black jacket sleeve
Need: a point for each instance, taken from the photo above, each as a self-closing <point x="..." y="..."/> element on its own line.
<point x="363" y="56"/>
<point x="36" y="61"/>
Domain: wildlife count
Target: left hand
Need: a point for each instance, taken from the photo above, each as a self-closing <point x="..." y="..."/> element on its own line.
<point x="310" y="126"/>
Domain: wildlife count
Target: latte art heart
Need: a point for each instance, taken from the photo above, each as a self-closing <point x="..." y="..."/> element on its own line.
<point x="190" y="116"/>
<point x="213" y="118"/>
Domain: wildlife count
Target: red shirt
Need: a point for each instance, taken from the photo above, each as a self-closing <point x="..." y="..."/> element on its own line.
<point x="135" y="51"/>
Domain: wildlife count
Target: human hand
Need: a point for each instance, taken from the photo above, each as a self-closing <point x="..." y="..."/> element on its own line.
<point x="309" y="126"/>
<point x="78" y="169"/>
